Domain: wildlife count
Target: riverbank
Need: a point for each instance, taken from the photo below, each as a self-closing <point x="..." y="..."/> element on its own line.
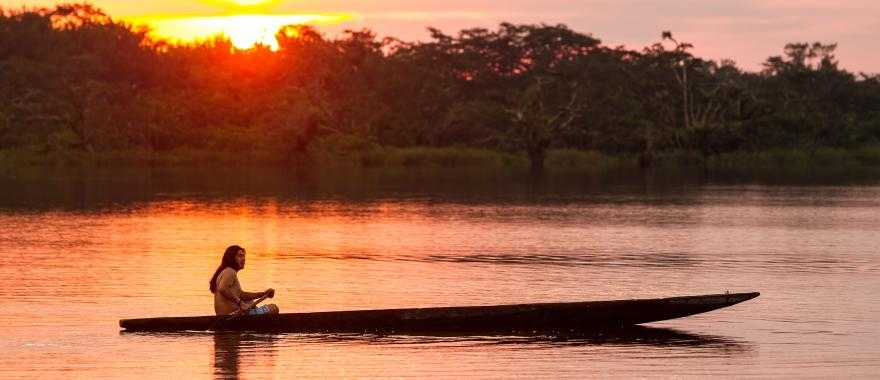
<point x="425" y="157"/>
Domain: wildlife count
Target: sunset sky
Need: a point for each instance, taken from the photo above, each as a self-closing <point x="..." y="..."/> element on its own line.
<point x="747" y="31"/>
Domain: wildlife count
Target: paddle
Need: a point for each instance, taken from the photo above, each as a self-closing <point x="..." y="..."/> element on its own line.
<point x="244" y="311"/>
<point x="238" y="313"/>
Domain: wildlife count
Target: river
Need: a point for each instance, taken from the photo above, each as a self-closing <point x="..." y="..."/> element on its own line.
<point x="85" y="249"/>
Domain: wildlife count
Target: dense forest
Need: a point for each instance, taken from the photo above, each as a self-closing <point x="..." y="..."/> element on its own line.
<point x="72" y="79"/>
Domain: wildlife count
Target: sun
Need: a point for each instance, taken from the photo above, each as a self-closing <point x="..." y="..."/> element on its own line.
<point x="248" y="3"/>
<point x="245" y="22"/>
<point x="244" y="31"/>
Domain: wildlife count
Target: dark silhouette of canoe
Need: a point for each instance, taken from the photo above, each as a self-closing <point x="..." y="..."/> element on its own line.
<point x="523" y="318"/>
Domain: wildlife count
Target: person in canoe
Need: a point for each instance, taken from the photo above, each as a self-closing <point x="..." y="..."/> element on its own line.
<point x="228" y="296"/>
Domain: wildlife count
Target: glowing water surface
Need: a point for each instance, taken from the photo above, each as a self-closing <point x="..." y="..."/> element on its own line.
<point x="85" y="250"/>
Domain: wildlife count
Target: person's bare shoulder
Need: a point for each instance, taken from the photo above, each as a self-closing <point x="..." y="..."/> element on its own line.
<point x="227" y="276"/>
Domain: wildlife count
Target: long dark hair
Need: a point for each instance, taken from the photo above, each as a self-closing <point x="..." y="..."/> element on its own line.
<point x="228" y="261"/>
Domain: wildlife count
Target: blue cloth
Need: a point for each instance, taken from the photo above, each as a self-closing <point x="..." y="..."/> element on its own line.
<point x="260" y="310"/>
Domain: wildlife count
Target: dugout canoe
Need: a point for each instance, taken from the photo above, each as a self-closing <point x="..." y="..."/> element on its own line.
<point x="526" y="318"/>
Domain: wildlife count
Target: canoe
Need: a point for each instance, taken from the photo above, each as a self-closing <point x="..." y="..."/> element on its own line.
<point x="523" y="318"/>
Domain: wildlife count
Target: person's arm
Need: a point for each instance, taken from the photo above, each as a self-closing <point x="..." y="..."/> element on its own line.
<point x="248" y="296"/>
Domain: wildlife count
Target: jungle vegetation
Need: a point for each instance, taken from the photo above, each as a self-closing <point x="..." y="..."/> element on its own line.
<point x="73" y="79"/>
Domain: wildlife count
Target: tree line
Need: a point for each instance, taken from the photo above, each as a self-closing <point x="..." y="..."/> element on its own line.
<point x="73" y="78"/>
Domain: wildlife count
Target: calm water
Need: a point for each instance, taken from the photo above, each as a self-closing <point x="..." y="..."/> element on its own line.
<point x="86" y="249"/>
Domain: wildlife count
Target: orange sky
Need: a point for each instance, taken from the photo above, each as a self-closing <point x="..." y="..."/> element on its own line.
<point x="747" y="31"/>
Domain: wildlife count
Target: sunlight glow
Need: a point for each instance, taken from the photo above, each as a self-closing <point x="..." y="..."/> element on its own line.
<point x="249" y="2"/>
<point x="244" y="31"/>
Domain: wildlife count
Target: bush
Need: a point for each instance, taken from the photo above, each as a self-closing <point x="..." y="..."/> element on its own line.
<point x="436" y="157"/>
<point x="578" y="159"/>
<point x="833" y="157"/>
<point x="868" y="156"/>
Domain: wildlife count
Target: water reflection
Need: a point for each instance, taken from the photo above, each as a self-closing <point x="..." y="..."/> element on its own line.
<point x="371" y="241"/>
<point x="229" y="346"/>
<point x="96" y="189"/>
<point x="624" y="336"/>
<point x="648" y="259"/>
<point x="635" y="336"/>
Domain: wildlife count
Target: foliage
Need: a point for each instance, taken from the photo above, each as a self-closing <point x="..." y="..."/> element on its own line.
<point x="74" y="82"/>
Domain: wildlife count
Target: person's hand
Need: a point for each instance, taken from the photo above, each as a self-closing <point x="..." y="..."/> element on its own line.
<point x="245" y="306"/>
<point x="270" y="292"/>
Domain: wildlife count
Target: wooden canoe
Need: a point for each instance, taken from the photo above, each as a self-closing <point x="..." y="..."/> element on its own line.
<point x="525" y="318"/>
